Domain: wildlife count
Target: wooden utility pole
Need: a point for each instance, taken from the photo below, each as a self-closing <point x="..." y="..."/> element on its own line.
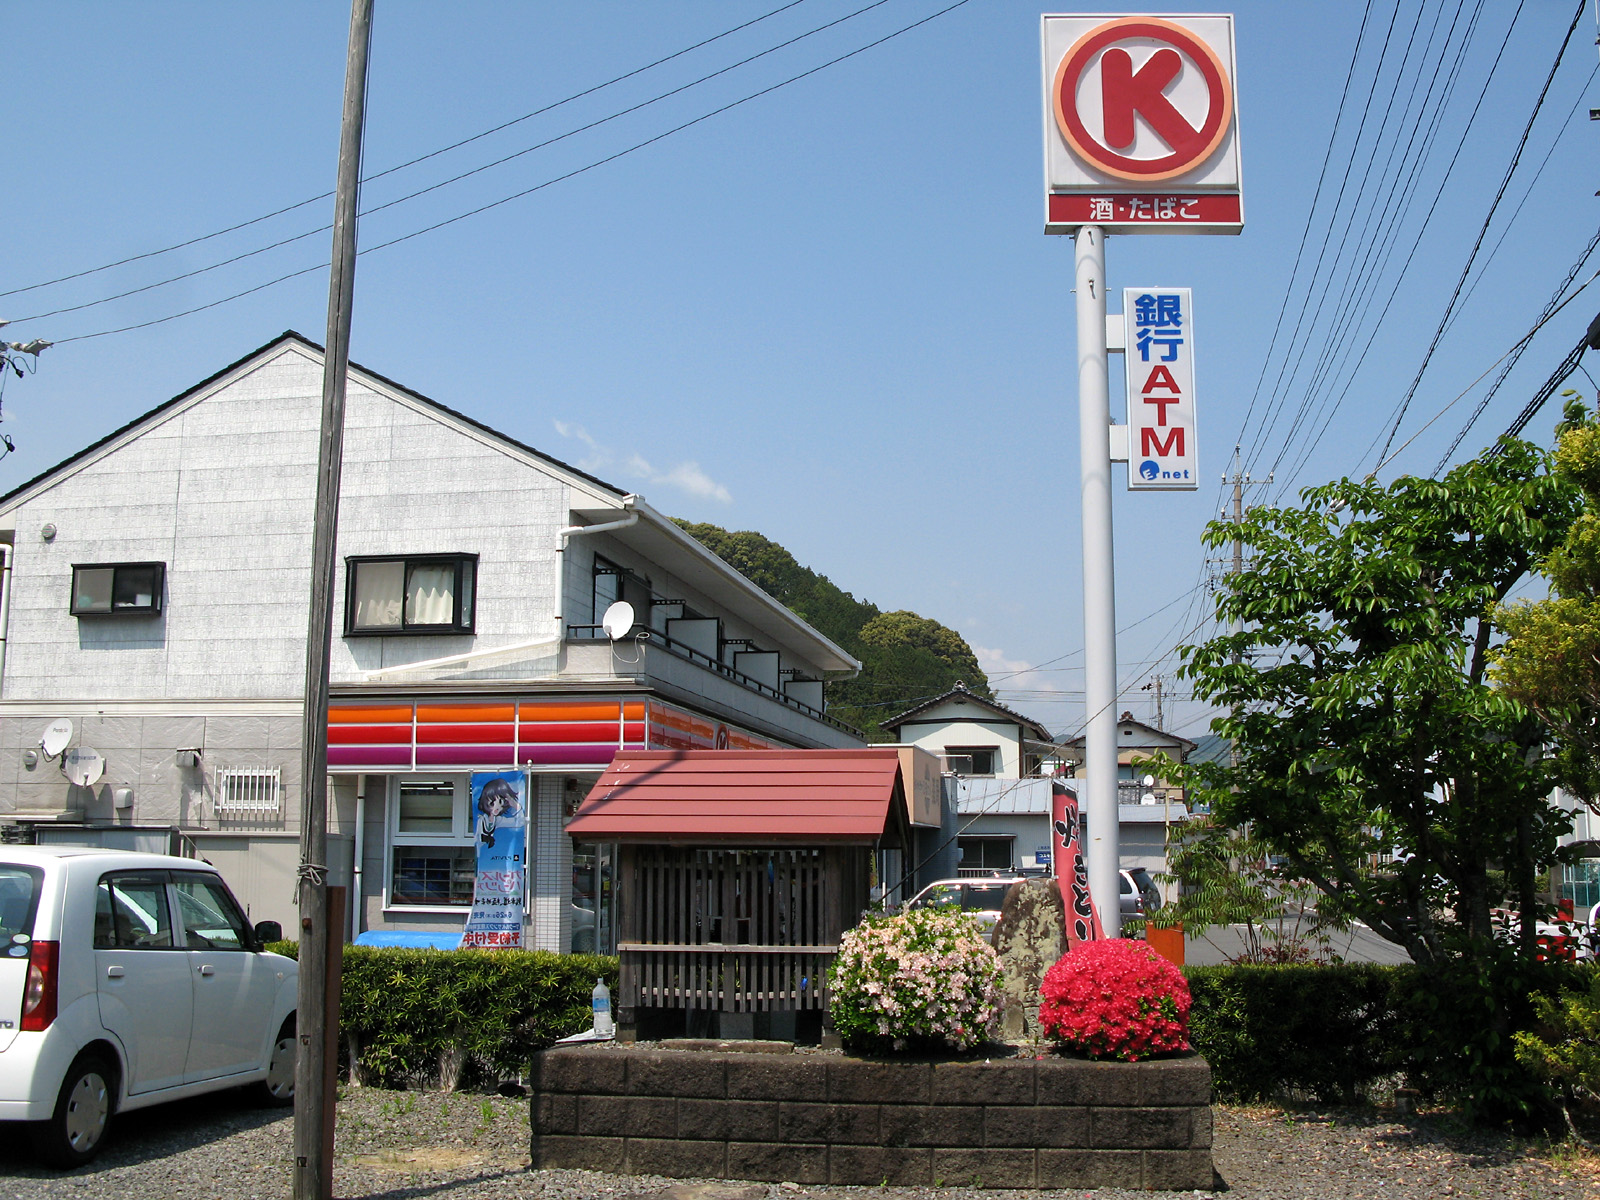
<point x="316" y="1014"/>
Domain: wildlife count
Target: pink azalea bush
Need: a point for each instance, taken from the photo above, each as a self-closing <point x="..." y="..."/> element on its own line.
<point x="1115" y="999"/>
<point x="922" y="978"/>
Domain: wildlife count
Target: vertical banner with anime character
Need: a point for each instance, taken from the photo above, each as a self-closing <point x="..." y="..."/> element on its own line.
<point x="500" y="821"/>
<point x="1083" y="922"/>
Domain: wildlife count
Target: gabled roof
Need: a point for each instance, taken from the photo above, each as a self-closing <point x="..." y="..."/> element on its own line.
<point x="960" y="694"/>
<point x="746" y="797"/>
<point x="697" y="564"/>
<point x="289" y="335"/>
<point x="1161" y="736"/>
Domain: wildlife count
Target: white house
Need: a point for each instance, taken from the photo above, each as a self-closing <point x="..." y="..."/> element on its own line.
<point x="155" y="595"/>
<point x="1003" y="804"/>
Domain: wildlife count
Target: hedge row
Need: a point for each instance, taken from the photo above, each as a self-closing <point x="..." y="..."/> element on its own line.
<point x="410" y="1017"/>
<point x="1337" y="1033"/>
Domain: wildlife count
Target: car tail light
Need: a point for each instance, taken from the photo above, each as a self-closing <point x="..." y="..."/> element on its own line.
<point x="39" y="993"/>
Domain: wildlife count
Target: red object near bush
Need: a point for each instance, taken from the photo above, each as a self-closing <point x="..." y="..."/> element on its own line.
<point x="1115" y="999"/>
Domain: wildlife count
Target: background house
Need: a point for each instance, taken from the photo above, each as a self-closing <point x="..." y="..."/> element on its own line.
<point x="156" y="587"/>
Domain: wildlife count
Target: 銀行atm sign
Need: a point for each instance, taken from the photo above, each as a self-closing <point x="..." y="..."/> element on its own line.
<point x="1158" y="324"/>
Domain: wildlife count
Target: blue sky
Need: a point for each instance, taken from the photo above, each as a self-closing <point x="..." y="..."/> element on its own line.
<point x="828" y="313"/>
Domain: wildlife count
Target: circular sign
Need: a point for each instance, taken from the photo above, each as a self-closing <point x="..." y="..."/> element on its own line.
<point x="1100" y="123"/>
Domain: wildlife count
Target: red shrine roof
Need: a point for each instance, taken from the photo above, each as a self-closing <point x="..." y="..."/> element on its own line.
<point x="757" y="797"/>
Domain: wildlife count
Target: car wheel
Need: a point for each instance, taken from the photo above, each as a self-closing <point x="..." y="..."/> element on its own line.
<point x="74" y="1133"/>
<point x="277" y="1089"/>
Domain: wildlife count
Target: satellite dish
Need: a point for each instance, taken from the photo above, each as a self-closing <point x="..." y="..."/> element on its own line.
<point x="618" y="621"/>
<point x="1149" y="781"/>
<point x="55" y="737"/>
<point x="83" y="766"/>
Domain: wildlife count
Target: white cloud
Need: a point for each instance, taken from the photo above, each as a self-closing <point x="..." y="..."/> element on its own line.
<point x="685" y="476"/>
<point x="994" y="662"/>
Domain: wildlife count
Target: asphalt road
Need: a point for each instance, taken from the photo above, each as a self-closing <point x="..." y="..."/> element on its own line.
<point x="1222" y="943"/>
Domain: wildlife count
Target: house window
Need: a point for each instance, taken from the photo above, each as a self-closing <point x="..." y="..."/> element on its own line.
<point x="387" y="596"/>
<point x="613" y="583"/>
<point x="973" y="760"/>
<point x="981" y="855"/>
<point x="433" y="858"/>
<point x="246" y="791"/>
<point x="115" y="589"/>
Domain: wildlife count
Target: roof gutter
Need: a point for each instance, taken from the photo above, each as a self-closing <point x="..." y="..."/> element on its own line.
<point x="730" y="573"/>
<point x="630" y="516"/>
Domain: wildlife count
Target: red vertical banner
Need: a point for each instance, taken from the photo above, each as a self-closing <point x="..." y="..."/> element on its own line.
<point x="1083" y="922"/>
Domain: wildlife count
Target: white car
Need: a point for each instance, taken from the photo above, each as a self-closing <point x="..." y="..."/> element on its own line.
<point x="127" y="980"/>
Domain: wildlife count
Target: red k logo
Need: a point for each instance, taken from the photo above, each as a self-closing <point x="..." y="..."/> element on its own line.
<point x="1106" y="139"/>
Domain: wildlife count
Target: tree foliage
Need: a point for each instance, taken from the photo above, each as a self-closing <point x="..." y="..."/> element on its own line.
<point x="904" y="657"/>
<point x="1228" y="878"/>
<point x="1551" y="659"/>
<point x="1374" y="756"/>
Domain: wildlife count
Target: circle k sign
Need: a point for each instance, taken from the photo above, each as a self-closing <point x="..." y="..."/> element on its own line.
<point x="1140" y="105"/>
<point x="1098" y="95"/>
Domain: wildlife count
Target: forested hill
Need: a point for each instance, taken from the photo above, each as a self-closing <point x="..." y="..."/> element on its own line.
<point x="905" y="658"/>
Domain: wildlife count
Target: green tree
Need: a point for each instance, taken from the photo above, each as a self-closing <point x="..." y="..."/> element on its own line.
<point x="1228" y="879"/>
<point x="1374" y="756"/>
<point x="1551" y="659"/>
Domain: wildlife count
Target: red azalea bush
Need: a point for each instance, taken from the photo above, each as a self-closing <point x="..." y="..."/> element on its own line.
<point x="1115" y="999"/>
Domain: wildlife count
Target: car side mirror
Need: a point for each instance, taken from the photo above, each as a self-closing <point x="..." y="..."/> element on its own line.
<point x="268" y="931"/>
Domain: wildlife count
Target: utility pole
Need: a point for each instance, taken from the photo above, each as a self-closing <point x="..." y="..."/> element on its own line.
<point x="1156" y="684"/>
<point x="313" y="1074"/>
<point x="1240" y="480"/>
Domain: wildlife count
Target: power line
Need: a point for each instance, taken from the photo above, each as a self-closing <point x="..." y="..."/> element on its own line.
<point x="537" y="187"/>
<point x="478" y="170"/>
<point x="1483" y="231"/>
<point x="195" y="241"/>
<point x="1550" y="310"/>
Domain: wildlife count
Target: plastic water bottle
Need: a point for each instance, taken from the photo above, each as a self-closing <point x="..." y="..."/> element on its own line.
<point x="600" y="999"/>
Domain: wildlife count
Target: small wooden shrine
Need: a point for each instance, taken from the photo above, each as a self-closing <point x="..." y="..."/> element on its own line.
<point x="738" y="871"/>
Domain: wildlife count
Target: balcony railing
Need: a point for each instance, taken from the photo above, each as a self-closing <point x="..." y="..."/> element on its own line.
<point x="587" y="633"/>
<point x="1135" y="793"/>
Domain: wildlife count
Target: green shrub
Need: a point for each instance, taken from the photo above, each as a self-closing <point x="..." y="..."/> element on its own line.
<point x="1271" y="1031"/>
<point x="1336" y="1033"/>
<point x="1564" y="1049"/>
<point x="406" y="1014"/>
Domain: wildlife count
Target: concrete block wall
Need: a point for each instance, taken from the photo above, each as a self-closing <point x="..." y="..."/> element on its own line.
<point x="819" y="1118"/>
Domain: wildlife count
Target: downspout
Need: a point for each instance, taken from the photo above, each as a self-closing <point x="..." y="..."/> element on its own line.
<point x="357" y="900"/>
<point x="630" y="517"/>
<point x="6" y="553"/>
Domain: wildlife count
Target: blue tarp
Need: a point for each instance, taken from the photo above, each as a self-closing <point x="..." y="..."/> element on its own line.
<point x="422" y="939"/>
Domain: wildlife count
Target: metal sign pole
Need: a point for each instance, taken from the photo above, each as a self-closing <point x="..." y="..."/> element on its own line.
<point x="1099" y="591"/>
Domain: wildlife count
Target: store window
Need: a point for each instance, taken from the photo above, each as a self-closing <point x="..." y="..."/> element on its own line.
<point x="593" y="898"/>
<point x="393" y="596"/>
<point x="433" y="858"/>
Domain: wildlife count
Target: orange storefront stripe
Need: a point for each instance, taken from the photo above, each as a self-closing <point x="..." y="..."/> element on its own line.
<point x="541" y="712"/>
<point x="447" y="714"/>
<point x="368" y="714"/>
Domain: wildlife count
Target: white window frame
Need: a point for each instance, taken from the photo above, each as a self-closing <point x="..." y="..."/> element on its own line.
<point x="461" y="835"/>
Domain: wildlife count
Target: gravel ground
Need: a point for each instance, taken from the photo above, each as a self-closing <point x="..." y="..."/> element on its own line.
<point x="418" y="1145"/>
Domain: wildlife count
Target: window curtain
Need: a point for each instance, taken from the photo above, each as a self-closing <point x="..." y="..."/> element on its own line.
<point x="380" y="594"/>
<point x="430" y="594"/>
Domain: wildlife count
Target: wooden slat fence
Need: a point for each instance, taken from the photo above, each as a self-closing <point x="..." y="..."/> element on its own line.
<point x="735" y="930"/>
